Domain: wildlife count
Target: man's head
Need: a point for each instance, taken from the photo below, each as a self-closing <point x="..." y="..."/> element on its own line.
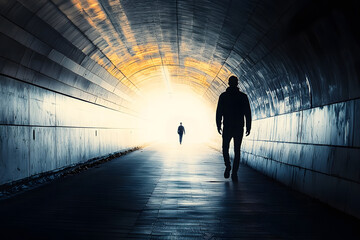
<point x="181" y="123"/>
<point x="233" y="81"/>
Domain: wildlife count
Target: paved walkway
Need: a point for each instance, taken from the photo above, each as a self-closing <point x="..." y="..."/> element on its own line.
<point x="172" y="192"/>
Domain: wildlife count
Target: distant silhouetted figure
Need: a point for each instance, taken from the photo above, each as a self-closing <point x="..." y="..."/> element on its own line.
<point x="232" y="107"/>
<point x="181" y="131"/>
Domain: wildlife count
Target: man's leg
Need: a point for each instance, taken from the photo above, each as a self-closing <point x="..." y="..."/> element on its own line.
<point x="180" y="136"/>
<point x="237" y="145"/>
<point x="225" y="149"/>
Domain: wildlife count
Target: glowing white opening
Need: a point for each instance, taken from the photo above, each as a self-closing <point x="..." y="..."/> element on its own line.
<point x="165" y="112"/>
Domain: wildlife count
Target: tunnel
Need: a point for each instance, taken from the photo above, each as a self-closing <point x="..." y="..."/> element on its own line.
<point x="85" y="79"/>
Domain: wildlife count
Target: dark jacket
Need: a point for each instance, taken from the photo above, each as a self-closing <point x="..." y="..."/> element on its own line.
<point x="233" y="105"/>
<point x="181" y="130"/>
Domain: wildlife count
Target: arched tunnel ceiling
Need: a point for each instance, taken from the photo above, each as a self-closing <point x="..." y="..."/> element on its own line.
<point x="281" y="50"/>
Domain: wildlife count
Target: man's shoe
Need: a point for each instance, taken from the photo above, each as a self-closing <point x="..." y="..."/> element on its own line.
<point x="227" y="172"/>
<point x="234" y="177"/>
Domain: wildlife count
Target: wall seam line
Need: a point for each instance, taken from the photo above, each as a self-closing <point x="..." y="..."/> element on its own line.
<point x="304" y="143"/>
<point x="295" y="166"/>
<point x="50" y="126"/>
<point x="73" y="97"/>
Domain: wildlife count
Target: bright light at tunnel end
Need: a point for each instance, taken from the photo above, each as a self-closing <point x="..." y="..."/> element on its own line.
<point x="164" y="112"/>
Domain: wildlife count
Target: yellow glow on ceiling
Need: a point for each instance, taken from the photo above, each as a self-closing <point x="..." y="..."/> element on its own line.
<point x="136" y="64"/>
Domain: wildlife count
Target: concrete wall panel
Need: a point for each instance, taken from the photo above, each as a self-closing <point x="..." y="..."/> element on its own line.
<point x="42" y="150"/>
<point x="42" y="131"/>
<point x="337" y="161"/>
<point x="353" y="199"/>
<point x="333" y="124"/>
<point x="42" y="106"/>
<point x="63" y="140"/>
<point x="14" y="153"/>
<point x="14" y="102"/>
<point x="356" y="128"/>
<point x="314" y="151"/>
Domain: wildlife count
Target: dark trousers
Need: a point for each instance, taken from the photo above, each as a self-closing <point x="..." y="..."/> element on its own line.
<point x="227" y="135"/>
<point x="180" y="137"/>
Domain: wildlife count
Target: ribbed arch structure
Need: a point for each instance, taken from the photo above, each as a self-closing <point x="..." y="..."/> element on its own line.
<point x="298" y="62"/>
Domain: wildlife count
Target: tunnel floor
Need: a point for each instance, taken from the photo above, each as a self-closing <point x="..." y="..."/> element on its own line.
<point x="169" y="192"/>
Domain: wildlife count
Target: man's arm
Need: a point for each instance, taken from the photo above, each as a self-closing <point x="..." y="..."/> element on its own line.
<point x="219" y="114"/>
<point x="247" y="116"/>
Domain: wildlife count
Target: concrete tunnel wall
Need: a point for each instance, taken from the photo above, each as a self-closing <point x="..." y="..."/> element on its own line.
<point x="305" y="130"/>
<point x="56" y="110"/>
<point x="297" y="61"/>
<point x="310" y="141"/>
<point x="42" y="131"/>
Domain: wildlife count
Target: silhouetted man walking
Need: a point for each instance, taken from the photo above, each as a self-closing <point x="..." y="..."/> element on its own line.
<point x="233" y="105"/>
<point x="181" y="131"/>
